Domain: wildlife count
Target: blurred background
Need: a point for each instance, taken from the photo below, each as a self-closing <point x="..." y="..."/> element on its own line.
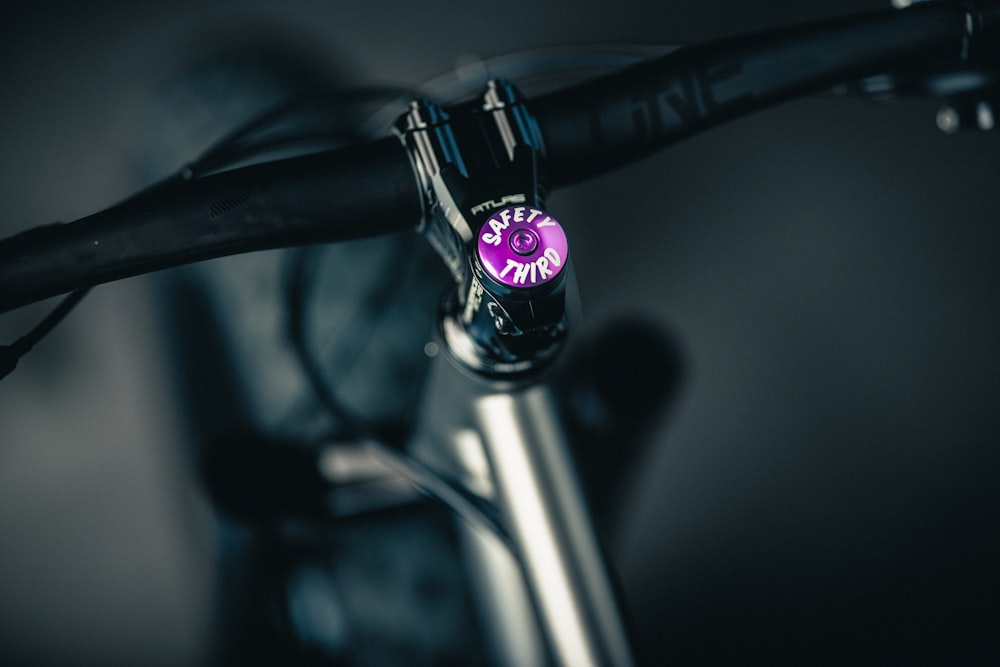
<point x="823" y="489"/>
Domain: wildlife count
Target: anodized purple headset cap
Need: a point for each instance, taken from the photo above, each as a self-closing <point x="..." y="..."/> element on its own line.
<point x="522" y="246"/>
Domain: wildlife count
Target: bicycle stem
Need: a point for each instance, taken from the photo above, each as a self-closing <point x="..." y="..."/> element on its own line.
<point x="478" y="165"/>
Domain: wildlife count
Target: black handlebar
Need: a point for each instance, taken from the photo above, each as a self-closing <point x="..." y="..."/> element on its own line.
<point x="353" y="192"/>
<point x="605" y="123"/>
<point x="370" y="189"/>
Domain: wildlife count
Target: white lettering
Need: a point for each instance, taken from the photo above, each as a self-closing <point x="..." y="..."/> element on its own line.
<point x="534" y="272"/>
<point x="493" y="239"/>
<point x="521" y="273"/>
<point x="492" y="204"/>
<point x="519" y="214"/>
<point x="534" y="214"/>
<point x="511" y="264"/>
<point x="505" y="216"/>
<point x="543" y="267"/>
<point x="547" y="222"/>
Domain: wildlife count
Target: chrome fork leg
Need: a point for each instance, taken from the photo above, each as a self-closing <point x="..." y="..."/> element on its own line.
<point x="544" y="593"/>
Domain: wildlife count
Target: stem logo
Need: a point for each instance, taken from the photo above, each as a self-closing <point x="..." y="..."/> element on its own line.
<point x="493" y="204"/>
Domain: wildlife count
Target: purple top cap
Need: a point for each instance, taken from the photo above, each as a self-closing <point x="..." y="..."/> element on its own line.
<point x="522" y="246"/>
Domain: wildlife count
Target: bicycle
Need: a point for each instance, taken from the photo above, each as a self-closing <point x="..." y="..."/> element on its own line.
<point x="493" y="200"/>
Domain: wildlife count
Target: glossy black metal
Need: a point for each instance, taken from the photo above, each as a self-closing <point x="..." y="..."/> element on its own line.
<point x="473" y="159"/>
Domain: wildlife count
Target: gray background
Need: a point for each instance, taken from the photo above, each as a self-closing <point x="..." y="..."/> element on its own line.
<point x="822" y="490"/>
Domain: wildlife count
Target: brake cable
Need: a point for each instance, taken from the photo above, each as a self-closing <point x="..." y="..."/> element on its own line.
<point x="11" y="354"/>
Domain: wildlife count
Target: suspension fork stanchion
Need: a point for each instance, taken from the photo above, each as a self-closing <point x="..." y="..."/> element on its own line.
<point x="562" y="562"/>
<point x="489" y="422"/>
<point x="543" y="590"/>
<point x="451" y="441"/>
